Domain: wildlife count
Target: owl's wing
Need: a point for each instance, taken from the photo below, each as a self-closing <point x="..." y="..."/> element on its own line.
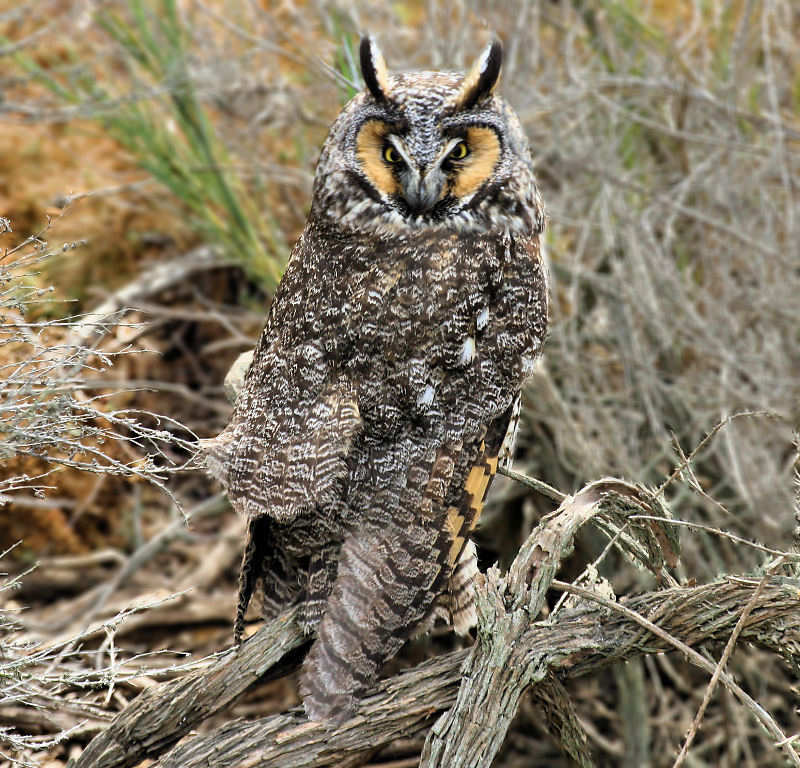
<point x="496" y="450"/>
<point x="285" y="451"/>
<point x="390" y="574"/>
<point x="284" y="454"/>
<point x="304" y="465"/>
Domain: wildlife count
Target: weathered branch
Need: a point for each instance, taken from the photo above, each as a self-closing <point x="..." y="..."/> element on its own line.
<point x="578" y="644"/>
<point x="163" y="714"/>
<point x="513" y="653"/>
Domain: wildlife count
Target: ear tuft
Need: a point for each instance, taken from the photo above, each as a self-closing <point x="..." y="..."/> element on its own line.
<point x="482" y="79"/>
<point x="373" y="68"/>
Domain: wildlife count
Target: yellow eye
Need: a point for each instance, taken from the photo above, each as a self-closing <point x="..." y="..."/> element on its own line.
<point x="391" y="155"/>
<point x="459" y="151"/>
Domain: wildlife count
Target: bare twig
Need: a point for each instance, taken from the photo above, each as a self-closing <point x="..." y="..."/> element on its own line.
<point x="718" y="670"/>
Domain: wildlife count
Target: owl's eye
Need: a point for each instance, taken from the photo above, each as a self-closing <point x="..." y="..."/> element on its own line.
<point x="459" y="151"/>
<point x="391" y="155"/>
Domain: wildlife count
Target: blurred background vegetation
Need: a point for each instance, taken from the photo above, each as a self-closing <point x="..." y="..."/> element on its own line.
<point x="164" y="153"/>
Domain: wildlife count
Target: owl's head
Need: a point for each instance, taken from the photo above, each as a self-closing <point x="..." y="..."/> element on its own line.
<point x="422" y="150"/>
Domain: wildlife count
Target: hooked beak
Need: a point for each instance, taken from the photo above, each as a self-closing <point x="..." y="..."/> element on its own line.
<point x="423" y="192"/>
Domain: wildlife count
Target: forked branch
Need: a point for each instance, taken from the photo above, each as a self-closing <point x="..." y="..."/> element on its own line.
<point x="479" y="689"/>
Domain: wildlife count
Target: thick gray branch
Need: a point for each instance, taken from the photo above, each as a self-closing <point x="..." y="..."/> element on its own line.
<point x="502" y="666"/>
<point x="163" y="714"/>
<point x="577" y="644"/>
<point x="483" y="686"/>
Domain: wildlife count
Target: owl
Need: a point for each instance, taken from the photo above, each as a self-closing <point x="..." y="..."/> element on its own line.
<point x="385" y="387"/>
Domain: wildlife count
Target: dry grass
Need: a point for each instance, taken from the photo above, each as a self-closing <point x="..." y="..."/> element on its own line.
<point x="667" y="141"/>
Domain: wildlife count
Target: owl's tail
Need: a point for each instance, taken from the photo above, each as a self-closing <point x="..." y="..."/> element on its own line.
<point x="387" y="582"/>
<point x="392" y="572"/>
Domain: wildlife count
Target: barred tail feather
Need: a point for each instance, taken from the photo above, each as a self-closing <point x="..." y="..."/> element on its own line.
<point x="386" y="584"/>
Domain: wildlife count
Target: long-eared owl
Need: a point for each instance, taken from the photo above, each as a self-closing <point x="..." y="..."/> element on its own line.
<point x="385" y="386"/>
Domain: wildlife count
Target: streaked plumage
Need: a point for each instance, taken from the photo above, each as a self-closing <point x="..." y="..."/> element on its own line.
<point x="385" y="386"/>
